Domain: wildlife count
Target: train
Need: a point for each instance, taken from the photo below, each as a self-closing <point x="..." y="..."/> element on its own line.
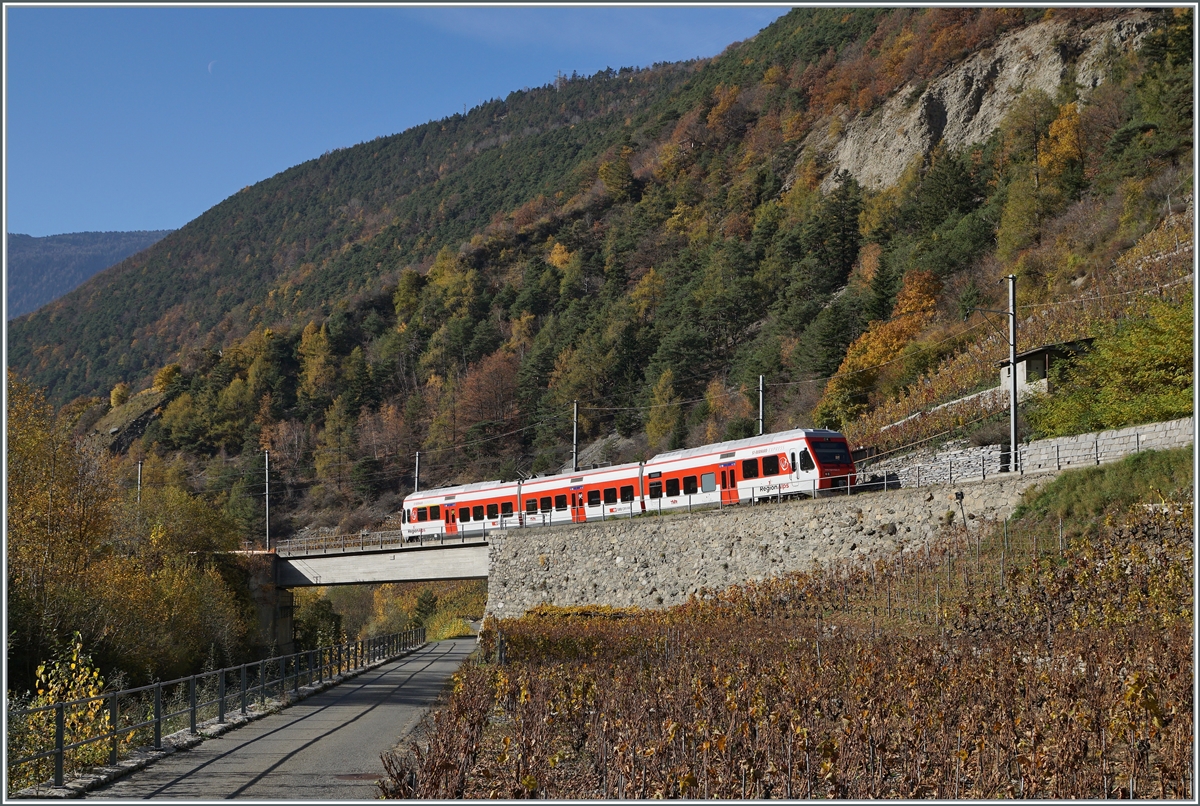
<point x="799" y="462"/>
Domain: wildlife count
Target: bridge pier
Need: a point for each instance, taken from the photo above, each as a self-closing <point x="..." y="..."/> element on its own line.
<point x="272" y="603"/>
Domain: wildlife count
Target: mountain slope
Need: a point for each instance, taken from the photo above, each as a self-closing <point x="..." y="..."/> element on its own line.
<point x="41" y="270"/>
<point x="350" y="219"/>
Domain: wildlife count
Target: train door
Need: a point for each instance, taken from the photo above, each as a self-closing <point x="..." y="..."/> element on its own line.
<point x="451" y="520"/>
<point x="729" y="492"/>
<point x="578" y="515"/>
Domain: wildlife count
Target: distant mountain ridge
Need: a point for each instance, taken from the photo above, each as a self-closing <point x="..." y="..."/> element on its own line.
<point x="40" y="270"/>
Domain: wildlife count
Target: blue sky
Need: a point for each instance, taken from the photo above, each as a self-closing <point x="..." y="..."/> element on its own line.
<point x="143" y="118"/>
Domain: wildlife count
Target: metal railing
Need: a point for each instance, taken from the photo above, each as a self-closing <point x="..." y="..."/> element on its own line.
<point x="364" y="541"/>
<point x="123" y="718"/>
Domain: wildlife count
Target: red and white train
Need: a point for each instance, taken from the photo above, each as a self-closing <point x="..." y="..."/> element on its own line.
<point x="789" y="463"/>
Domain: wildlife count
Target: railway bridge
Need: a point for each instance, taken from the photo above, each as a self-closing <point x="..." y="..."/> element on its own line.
<point x="373" y="557"/>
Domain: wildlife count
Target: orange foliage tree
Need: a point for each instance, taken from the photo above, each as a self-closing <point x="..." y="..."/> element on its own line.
<point x="846" y="396"/>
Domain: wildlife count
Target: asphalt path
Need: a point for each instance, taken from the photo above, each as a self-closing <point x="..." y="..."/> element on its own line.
<point x="325" y="747"/>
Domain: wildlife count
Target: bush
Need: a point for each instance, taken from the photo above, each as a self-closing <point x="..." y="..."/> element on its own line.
<point x="446" y="625"/>
<point x="1139" y="371"/>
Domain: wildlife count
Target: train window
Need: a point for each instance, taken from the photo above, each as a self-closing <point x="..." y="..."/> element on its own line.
<point x="506" y="508"/>
<point x="593" y="498"/>
<point x="806" y="462"/>
<point x="560" y="502"/>
<point x="749" y="468"/>
<point x="610" y="495"/>
<point x="531" y="506"/>
<point x="435" y="513"/>
<point x="477" y="513"/>
<point x="672" y="487"/>
<point x="689" y="485"/>
<point x="832" y="453"/>
<point x="493" y="511"/>
<point x="770" y="465"/>
<point x="627" y="492"/>
<point x="404" y="516"/>
<point x="656" y="489"/>
<point x="708" y="482"/>
<point x="545" y="504"/>
<point x="422" y="514"/>
<point x="464" y="514"/>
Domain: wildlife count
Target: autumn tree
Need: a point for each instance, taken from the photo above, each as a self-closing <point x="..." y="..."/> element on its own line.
<point x="665" y="413"/>
<point x="119" y="395"/>
<point x="318" y="368"/>
<point x="847" y="393"/>
<point x="729" y="413"/>
<point x="488" y="392"/>
<point x="60" y="519"/>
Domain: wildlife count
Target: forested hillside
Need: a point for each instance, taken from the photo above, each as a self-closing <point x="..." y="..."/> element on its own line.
<point x="43" y="269"/>
<point x="646" y="242"/>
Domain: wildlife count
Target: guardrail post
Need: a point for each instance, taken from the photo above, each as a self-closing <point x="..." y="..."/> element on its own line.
<point x="59" y="741"/>
<point x="262" y="682"/>
<point x="339" y="658"/>
<point x="243" y="688"/>
<point x="295" y="672"/>
<point x="321" y="665"/>
<point x="221" y="697"/>
<point x="114" y="713"/>
<point x="158" y="716"/>
<point x="192" y="704"/>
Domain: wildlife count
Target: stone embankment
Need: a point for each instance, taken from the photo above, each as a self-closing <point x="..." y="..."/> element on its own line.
<point x="654" y="561"/>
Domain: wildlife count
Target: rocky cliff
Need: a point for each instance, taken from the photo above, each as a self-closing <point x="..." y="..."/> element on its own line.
<point x="966" y="103"/>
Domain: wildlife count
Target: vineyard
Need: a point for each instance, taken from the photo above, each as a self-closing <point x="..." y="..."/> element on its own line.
<point x="1157" y="267"/>
<point x="1048" y="656"/>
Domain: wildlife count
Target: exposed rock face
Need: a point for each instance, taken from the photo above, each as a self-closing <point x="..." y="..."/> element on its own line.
<point x="966" y="103"/>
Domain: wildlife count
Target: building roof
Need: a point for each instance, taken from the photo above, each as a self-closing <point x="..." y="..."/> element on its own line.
<point x="1061" y="348"/>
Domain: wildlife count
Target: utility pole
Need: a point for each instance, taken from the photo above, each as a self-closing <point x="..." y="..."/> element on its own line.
<point x="760" y="405"/>
<point x="1013" y="461"/>
<point x="267" y="498"/>
<point x="1011" y="313"/>
<point x="139" y="501"/>
<point x="417" y="475"/>
<point x="575" y="440"/>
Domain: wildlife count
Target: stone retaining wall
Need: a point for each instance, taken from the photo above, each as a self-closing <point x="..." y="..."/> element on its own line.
<point x="1106" y="446"/>
<point x="658" y="561"/>
<point x="1084" y="450"/>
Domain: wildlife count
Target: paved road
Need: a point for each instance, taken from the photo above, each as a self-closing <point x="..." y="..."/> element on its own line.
<point x="326" y="747"/>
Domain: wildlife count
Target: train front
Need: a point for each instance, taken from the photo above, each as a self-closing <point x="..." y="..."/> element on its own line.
<point x="834" y="462"/>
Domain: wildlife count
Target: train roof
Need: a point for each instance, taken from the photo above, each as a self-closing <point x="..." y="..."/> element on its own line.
<point x="475" y="486"/>
<point x="585" y="472"/>
<point x="479" y="486"/>
<point x="738" y="444"/>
